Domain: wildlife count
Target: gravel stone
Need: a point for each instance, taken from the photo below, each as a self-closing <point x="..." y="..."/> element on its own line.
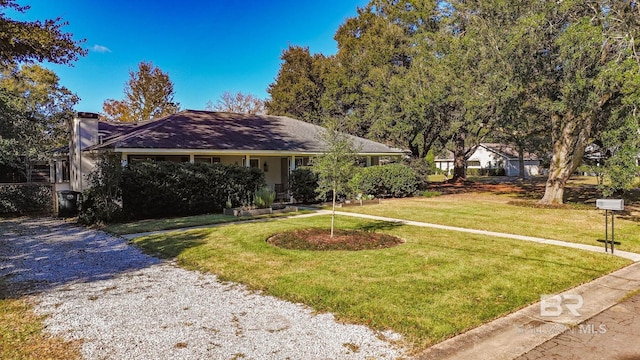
<point x="125" y="304"/>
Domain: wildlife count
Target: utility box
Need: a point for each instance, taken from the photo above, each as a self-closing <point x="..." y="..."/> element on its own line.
<point x="610" y="204"/>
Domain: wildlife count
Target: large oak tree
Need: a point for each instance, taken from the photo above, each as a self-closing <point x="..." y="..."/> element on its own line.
<point x="538" y="74"/>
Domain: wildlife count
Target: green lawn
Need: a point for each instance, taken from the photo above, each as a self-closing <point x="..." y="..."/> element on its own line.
<point x="434" y="286"/>
<point x="141" y="226"/>
<point x="494" y="213"/>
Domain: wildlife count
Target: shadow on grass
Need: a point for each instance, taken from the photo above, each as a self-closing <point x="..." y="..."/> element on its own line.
<point x="378" y="226"/>
<point x="168" y="247"/>
<point x="576" y="196"/>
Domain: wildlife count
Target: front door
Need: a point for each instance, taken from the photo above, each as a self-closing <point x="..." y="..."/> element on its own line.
<point x="284" y="172"/>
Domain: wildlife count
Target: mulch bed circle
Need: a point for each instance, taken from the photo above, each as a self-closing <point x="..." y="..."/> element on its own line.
<point x="321" y="240"/>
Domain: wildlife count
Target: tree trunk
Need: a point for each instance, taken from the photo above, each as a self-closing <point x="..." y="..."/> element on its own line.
<point x="568" y="151"/>
<point x="333" y="212"/>
<point x="521" y="162"/>
<point x="27" y="168"/>
<point x="459" y="158"/>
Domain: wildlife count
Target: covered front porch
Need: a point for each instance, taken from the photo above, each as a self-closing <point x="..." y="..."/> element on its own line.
<point x="276" y="166"/>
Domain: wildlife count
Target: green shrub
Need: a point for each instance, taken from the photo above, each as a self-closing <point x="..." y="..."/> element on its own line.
<point x="393" y="180"/>
<point x="303" y="184"/>
<point x="17" y="199"/>
<point x="102" y="201"/>
<point x="473" y="172"/>
<point x="161" y="189"/>
<point x="422" y="168"/>
<point x="486" y="172"/>
<point x="263" y="198"/>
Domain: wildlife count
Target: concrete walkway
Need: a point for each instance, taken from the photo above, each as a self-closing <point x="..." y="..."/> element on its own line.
<point x="600" y="249"/>
<point x="612" y="334"/>
<point x="606" y="325"/>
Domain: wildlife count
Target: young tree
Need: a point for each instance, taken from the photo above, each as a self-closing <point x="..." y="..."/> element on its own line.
<point x="35" y="116"/>
<point x="335" y="166"/>
<point x="238" y="103"/>
<point x="35" y="40"/>
<point x="148" y="95"/>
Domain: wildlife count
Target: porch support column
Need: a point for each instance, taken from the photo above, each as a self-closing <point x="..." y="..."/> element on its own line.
<point x="368" y="161"/>
<point x="123" y="160"/>
<point x="247" y="160"/>
<point x="52" y="171"/>
<point x="192" y="158"/>
<point x="292" y="167"/>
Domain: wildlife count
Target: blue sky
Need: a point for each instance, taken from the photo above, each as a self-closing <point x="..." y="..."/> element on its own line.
<point x="206" y="47"/>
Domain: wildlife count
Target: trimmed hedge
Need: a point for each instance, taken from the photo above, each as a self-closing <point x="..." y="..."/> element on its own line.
<point x="17" y="199"/>
<point x="393" y="180"/>
<point x="303" y="183"/>
<point x="161" y="189"/>
<point x="486" y="172"/>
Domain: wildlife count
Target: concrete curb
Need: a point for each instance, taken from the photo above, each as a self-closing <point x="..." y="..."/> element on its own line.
<point x="517" y="333"/>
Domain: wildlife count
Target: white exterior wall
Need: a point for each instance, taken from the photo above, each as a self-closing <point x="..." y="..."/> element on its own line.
<point x="488" y="159"/>
<point x="491" y="160"/>
<point x="532" y="168"/>
<point x="444" y="165"/>
<point x="84" y="133"/>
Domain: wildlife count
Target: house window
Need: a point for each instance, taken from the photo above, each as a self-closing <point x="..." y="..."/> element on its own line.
<point x="171" y="158"/>
<point x="302" y="161"/>
<point x="65" y="170"/>
<point x="206" y="159"/>
<point x="473" y="163"/>
<point x="254" y="163"/>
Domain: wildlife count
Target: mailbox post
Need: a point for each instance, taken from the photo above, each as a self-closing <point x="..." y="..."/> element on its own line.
<point x="609" y="205"/>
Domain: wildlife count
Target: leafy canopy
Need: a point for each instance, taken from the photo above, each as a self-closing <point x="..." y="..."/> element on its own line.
<point x="35" y="111"/>
<point x="147" y="95"/>
<point x="38" y="41"/>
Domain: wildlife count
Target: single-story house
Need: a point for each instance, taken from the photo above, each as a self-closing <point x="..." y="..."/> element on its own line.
<point x="490" y="156"/>
<point x="275" y="144"/>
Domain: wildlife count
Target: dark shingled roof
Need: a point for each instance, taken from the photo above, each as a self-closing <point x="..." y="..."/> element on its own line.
<point x="108" y="128"/>
<point x="509" y="151"/>
<point x="206" y="130"/>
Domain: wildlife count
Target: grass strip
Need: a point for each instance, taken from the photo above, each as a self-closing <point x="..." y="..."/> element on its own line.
<point x="22" y="336"/>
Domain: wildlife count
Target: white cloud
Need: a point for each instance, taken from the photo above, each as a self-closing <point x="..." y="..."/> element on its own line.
<point x="101" y="49"/>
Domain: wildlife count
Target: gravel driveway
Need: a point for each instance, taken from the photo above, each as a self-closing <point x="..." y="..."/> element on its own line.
<point x="127" y="305"/>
